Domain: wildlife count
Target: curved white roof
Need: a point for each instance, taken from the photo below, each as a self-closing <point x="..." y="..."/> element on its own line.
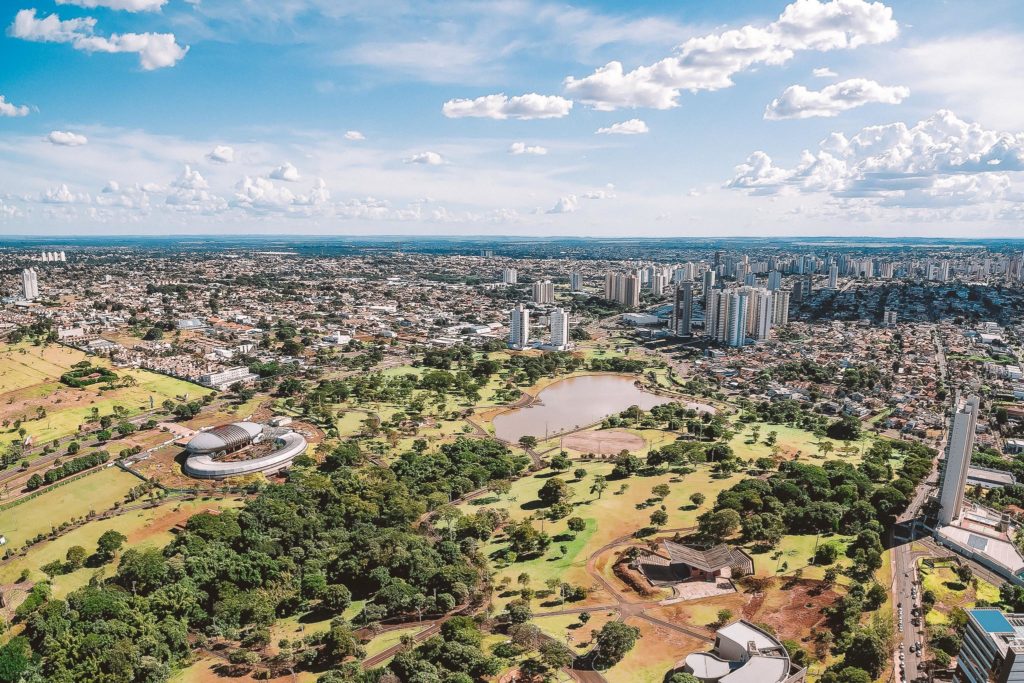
<point x="224" y="436"/>
<point x="289" y="446"/>
<point x="706" y="665"/>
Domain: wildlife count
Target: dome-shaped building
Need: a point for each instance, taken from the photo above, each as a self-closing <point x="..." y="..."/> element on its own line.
<point x="225" y="439"/>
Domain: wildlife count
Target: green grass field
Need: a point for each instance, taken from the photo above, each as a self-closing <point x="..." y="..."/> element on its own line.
<point x="94" y="492"/>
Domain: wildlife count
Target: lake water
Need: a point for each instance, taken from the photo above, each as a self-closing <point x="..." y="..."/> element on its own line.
<point x="574" y="402"/>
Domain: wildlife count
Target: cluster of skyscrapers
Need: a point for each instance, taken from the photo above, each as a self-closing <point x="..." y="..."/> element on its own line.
<point x="734" y="316"/>
<point x="623" y="288"/>
<point x="519" y="329"/>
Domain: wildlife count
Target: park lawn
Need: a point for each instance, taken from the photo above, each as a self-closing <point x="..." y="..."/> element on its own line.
<point x="792" y="441"/>
<point x="797" y="552"/>
<point x="205" y="671"/>
<point x="567" y="628"/>
<point x="950" y="593"/>
<point x="299" y="625"/>
<point x="146" y="528"/>
<point x="95" y="492"/>
<point x="656" y="652"/>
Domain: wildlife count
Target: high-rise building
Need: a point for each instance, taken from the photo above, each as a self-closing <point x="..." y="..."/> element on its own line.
<point x="780" y="308"/>
<point x="833" y="276"/>
<point x="682" y="309"/>
<point x="760" y="313"/>
<point x="992" y="650"/>
<point x="958" y="460"/>
<point x="736" y="318"/>
<point x="30" y="284"/>
<point x="544" y="292"/>
<point x="509" y="276"/>
<point x="808" y="285"/>
<point x="519" y="327"/>
<point x="658" y="282"/>
<point x="559" y="330"/>
<point x="889" y="318"/>
<point x="622" y="288"/>
<point x="774" y="280"/>
<point x="576" y="281"/>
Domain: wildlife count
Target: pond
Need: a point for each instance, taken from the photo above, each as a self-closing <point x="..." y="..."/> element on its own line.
<point x="572" y="403"/>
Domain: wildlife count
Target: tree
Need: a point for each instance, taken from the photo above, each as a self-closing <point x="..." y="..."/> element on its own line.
<point x="528" y="442"/>
<point x="34" y="482"/>
<point x="723" y="617"/>
<point x="718" y="525"/>
<point x="576" y="524"/>
<point x="659" y="518"/>
<point x="15" y="657"/>
<point x="964" y="573"/>
<point x="553" y="491"/>
<point x="75" y="557"/>
<point x="579" y="473"/>
<point x="826" y="554"/>
<point x="109" y="543"/>
<point x="561" y="462"/>
<point x="697" y="499"/>
<point x="556" y="655"/>
<point x="867" y="652"/>
<point x="613" y="642"/>
<point x="683" y="677"/>
<point x="846" y="428"/>
<point x="661" y="491"/>
<point x="599" y="485"/>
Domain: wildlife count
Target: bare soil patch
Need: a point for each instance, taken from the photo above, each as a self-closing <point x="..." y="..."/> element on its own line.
<point x="604" y="441"/>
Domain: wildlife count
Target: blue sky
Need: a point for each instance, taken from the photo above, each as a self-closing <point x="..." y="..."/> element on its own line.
<point x="519" y="117"/>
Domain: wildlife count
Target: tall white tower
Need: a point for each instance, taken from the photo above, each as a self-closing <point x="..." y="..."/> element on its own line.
<point x="559" y="329"/>
<point x="958" y="460"/>
<point x="30" y="284"/>
<point x="519" y="327"/>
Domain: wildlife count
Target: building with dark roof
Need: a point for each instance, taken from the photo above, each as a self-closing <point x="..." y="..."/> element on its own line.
<point x="675" y="562"/>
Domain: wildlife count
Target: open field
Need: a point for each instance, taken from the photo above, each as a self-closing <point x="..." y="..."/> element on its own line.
<point x="792" y="442"/>
<point x="602" y="442"/>
<point x="150" y="527"/>
<point x="657" y="650"/>
<point x="29" y="384"/>
<point x="95" y="492"/>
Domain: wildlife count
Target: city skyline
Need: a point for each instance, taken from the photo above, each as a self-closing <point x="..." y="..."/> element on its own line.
<point x="529" y="118"/>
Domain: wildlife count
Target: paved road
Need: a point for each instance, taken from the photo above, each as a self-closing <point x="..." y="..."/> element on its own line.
<point x="905" y="589"/>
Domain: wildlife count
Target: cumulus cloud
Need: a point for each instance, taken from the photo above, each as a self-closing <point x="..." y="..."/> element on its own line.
<point x="566" y="204"/>
<point x="427" y="158"/>
<point x="8" y="109"/>
<point x="286" y="172"/>
<point x="630" y="127"/>
<point x="709" y="62"/>
<point x="126" y="5"/>
<point x="66" y="138"/>
<point x="221" y="154"/>
<point x="155" y="50"/>
<point x="62" y="195"/>
<point x="191" y="192"/>
<point x="824" y="72"/>
<point x="797" y="102"/>
<point x="522" y="148"/>
<point x="523" y="107"/>
<point x="354" y="135"/>
<point x="939" y="161"/>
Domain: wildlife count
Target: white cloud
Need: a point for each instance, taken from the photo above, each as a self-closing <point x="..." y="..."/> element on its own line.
<point x="522" y="148"/>
<point x="66" y="138"/>
<point x="566" y="204"/>
<point x="939" y="161"/>
<point x="824" y="72"/>
<point x="155" y="50"/>
<point x="607" y="193"/>
<point x="524" y="107"/>
<point x="62" y="195"/>
<point x="797" y="102"/>
<point x="221" y="154"/>
<point x="126" y="5"/>
<point x="428" y="158"/>
<point x="709" y="62"/>
<point x="190" y="192"/>
<point x="286" y="172"/>
<point x="8" y="109"/>
<point x="354" y="135"/>
<point x="630" y="127"/>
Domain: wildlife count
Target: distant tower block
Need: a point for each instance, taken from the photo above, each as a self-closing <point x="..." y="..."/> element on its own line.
<point x="958" y="460"/>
